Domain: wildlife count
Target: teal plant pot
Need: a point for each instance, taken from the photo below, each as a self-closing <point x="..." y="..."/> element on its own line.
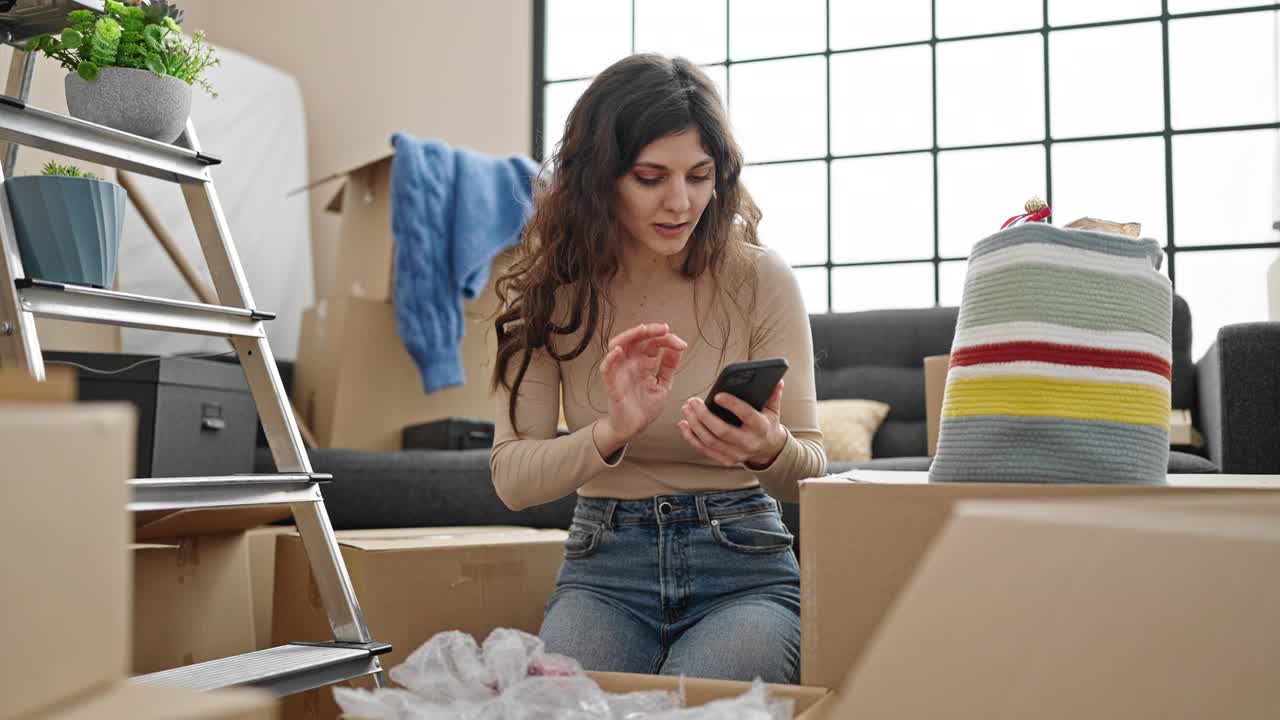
<point x="68" y="229"/>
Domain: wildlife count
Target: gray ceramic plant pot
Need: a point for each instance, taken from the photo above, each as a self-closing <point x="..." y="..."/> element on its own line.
<point x="68" y="228"/>
<point x="135" y="101"/>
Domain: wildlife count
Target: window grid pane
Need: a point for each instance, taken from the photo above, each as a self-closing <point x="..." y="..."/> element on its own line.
<point x="1118" y="180"/>
<point x="1075" y="12"/>
<point x="690" y="37"/>
<point x="956" y="18"/>
<point x="864" y="84"/>
<point x="758" y="90"/>
<point x="1235" y="83"/>
<point x="768" y="29"/>
<point x="1106" y="81"/>
<point x="1201" y="277"/>
<point x="951" y="276"/>
<point x="979" y="189"/>
<point x="868" y="23"/>
<point x="1222" y="187"/>
<point x="882" y="208"/>
<point x="558" y="103"/>
<point x="813" y="286"/>
<point x="990" y="91"/>
<point x="572" y="53"/>
<point x="908" y="285"/>
<point x="793" y="199"/>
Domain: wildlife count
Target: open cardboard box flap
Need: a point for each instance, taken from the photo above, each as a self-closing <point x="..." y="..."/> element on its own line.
<point x="163" y="524"/>
<point x="1132" y="608"/>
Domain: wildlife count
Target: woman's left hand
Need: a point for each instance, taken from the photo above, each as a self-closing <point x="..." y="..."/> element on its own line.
<point x="756" y="443"/>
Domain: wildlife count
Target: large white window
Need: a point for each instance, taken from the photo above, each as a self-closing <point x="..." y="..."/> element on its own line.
<point x="883" y="139"/>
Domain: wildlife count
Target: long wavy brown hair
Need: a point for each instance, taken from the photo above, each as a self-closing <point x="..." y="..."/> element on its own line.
<point x="570" y="246"/>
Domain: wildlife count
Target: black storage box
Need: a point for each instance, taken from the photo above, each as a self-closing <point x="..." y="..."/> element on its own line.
<point x="448" y="434"/>
<point x="196" y="416"/>
<point x="452" y="434"/>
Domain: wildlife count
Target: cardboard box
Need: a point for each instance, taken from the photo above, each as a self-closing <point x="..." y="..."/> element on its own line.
<point x="157" y="703"/>
<point x="77" y="336"/>
<point x="861" y="541"/>
<point x="935" y="385"/>
<point x="414" y="583"/>
<point x="193" y="601"/>
<point x="63" y="533"/>
<point x="1131" y="610"/>
<point x="366" y="244"/>
<point x="262" y="570"/>
<point x="59" y="386"/>
<point x="357" y="387"/>
<point x="809" y="703"/>
<point x="366" y="247"/>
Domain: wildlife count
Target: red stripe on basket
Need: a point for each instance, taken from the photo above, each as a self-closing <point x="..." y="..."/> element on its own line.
<point x="1061" y="355"/>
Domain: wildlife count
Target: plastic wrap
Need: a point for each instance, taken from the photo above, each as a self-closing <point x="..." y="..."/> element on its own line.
<point x="512" y="677"/>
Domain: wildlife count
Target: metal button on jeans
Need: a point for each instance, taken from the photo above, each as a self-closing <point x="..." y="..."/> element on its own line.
<point x="664" y="508"/>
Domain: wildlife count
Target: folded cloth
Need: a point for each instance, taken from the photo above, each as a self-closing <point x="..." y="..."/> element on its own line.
<point x="452" y="211"/>
<point x="1061" y="364"/>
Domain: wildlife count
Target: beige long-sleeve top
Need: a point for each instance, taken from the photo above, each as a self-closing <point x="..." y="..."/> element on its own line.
<point x="534" y="466"/>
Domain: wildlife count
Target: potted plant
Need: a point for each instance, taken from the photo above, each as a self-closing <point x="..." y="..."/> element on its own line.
<point x="68" y="225"/>
<point x="131" y="68"/>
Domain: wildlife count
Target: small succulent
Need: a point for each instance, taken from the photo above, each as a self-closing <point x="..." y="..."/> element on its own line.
<point x="55" y="168"/>
<point x="158" y="10"/>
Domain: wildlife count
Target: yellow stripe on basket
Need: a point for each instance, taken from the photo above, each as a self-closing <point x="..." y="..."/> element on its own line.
<point x="1028" y="396"/>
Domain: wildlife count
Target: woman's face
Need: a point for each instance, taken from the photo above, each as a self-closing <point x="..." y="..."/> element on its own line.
<point x="663" y="195"/>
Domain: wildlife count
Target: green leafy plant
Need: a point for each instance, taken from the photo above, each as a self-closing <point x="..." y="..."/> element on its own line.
<point x="134" y="34"/>
<point x="54" y="168"/>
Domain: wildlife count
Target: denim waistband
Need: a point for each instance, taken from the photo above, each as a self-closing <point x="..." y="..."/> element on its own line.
<point x="699" y="508"/>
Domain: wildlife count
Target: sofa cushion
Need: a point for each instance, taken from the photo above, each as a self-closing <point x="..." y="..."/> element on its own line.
<point x="848" y="427"/>
<point x="1183" y="462"/>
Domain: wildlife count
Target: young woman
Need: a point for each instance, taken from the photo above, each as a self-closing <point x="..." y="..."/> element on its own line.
<point x="638" y="278"/>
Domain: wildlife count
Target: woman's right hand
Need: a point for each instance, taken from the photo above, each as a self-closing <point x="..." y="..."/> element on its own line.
<point x="637" y="369"/>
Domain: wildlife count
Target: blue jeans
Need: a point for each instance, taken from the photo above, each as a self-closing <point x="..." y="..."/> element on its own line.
<point x="700" y="585"/>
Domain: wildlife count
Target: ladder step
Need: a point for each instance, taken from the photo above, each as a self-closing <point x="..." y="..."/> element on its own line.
<point x="88" y="304"/>
<point x="283" y="670"/>
<point x="224" y="491"/>
<point x="65" y="135"/>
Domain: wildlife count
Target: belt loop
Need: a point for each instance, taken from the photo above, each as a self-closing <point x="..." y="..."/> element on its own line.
<point x="701" y="502"/>
<point x="609" y="510"/>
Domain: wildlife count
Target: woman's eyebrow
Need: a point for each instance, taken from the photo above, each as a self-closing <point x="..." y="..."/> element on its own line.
<point x="659" y="166"/>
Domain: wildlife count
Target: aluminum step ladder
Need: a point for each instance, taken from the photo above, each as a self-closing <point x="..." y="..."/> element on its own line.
<point x="282" y="670"/>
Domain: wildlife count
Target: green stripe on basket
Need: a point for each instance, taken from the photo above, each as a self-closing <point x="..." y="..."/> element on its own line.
<point x="1077" y="298"/>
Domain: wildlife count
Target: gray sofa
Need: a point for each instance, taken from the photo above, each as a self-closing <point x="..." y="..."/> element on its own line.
<point x="1233" y="392"/>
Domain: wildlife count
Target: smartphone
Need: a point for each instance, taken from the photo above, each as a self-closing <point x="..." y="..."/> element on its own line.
<point x="752" y="382"/>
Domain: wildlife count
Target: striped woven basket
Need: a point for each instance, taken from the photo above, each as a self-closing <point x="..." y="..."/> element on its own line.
<point x="1060" y="369"/>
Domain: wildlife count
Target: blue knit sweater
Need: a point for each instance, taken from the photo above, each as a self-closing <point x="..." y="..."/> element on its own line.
<point x="452" y="211"/>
